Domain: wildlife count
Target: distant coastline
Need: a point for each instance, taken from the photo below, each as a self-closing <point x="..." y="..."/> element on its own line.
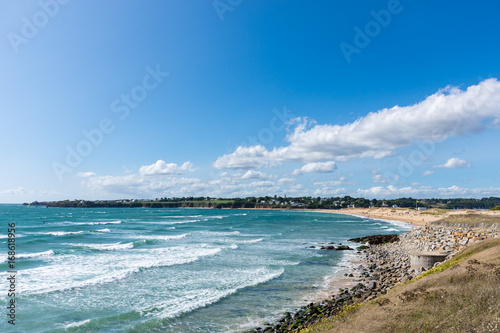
<point x="422" y="216"/>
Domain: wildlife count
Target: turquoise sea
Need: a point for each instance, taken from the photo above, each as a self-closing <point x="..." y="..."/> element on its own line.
<point x="168" y="270"/>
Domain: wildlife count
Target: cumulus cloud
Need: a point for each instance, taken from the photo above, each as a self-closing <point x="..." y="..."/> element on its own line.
<point x="15" y="191"/>
<point x="383" y="179"/>
<point x="143" y="185"/>
<point x="286" y="181"/>
<point x="252" y="174"/>
<point x="454" y="163"/>
<point x="252" y="157"/>
<point x="428" y="173"/>
<point x="448" y="113"/>
<point x="379" y="178"/>
<point x="162" y="168"/>
<point x="86" y="174"/>
<point x="316" y="167"/>
<point x="425" y="191"/>
<point x="341" y="181"/>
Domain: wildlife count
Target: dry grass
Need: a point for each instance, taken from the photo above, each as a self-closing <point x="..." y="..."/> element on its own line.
<point x="435" y="212"/>
<point x="462" y="298"/>
<point x="471" y="220"/>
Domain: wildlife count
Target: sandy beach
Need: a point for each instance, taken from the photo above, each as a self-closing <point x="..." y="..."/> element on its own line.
<point x="412" y="216"/>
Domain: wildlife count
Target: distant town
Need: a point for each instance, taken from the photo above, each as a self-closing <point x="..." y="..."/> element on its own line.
<point x="278" y="202"/>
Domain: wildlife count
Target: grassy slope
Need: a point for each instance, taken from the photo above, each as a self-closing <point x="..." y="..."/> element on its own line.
<point x="460" y="296"/>
<point x="470" y="220"/>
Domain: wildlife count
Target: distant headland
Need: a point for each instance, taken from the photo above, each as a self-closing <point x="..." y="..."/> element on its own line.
<point x="278" y="202"/>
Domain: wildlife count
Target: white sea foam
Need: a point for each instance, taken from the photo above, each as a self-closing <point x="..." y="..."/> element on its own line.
<point x="36" y="255"/>
<point x="63" y="233"/>
<point x="76" y="324"/>
<point x="251" y="240"/>
<point x="180" y="216"/>
<point x="76" y="271"/>
<point x="221" y="233"/>
<point x="95" y="223"/>
<point x="219" y="217"/>
<point x="103" y="230"/>
<point x="174" y="222"/>
<point x="161" y="237"/>
<point x="107" y="247"/>
<point x="194" y="299"/>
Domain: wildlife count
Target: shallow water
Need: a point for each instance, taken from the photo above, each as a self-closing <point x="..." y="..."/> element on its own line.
<point x="168" y="270"/>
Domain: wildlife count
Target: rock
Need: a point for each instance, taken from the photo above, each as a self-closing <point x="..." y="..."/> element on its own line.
<point x="376" y="239"/>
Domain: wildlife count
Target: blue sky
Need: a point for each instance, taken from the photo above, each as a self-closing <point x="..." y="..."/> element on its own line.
<point x="129" y="99"/>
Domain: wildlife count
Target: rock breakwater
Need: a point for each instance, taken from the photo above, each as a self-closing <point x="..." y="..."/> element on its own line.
<point x="385" y="265"/>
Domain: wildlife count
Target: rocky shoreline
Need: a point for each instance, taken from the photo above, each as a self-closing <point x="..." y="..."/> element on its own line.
<point x="386" y="265"/>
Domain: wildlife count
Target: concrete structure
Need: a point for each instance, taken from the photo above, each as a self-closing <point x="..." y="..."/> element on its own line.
<point x="426" y="259"/>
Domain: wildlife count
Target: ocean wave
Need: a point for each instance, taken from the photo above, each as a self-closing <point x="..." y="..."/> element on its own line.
<point x="251" y="241"/>
<point x="103" y="230"/>
<point x="63" y="233"/>
<point x="222" y="233"/>
<point x="199" y="298"/>
<point x="76" y="324"/>
<point x="161" y="237"/>
<point x="36" y="255"/>
<point x="95" y="223"/>
<point x="105" y="247"/>
<point x="77" y="271"/>
<point x="180" y="216"/>
<point x="174" y="222"/>
<point x="219" y="217"/>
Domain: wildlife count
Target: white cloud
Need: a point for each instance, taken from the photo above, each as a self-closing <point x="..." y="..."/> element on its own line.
<point x="252" y="157"/>
<point x="252" y="174"/>
<point x="454" y="163"/>
<point x="144" y="186"/>
<point x="318" y="167"/>
<point x="162" y="168"/>
<point x="428" y="173"/>
<point x="336" y="182"/>
<point x="16" y="191"/>
<point x="86" y="174"/>
<point x="286" y="181"/>
<point x="425" y="191"/>
<point x="382" y="179"/>
<point x="262" y="183"/>
<point x="447" y="113"/>
<point x="379" y="178"/>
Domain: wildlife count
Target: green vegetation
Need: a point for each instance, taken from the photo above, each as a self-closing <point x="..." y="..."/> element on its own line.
<point x="283" y="203"/>
<point x="496" y="208"/>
